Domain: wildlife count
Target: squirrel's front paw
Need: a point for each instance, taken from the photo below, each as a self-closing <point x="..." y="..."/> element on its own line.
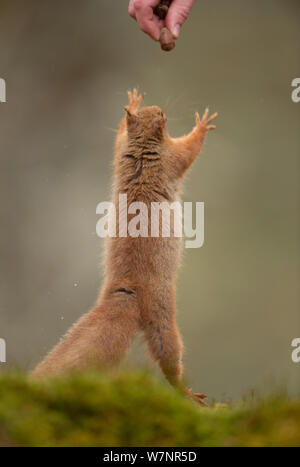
<point x="203" y="123"/>
<point x="134" y="100"/>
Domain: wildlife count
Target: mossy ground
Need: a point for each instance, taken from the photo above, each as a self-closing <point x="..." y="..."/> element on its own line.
<point x="133" y="409"/>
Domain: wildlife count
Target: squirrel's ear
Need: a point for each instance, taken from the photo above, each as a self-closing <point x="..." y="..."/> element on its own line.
<point x="131" y="118"/>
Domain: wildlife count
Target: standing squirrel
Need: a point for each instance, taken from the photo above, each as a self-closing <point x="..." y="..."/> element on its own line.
<point x="140" y="273"/>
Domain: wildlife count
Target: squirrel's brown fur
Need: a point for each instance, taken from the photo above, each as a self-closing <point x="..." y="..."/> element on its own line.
<point x="140" y="273"/>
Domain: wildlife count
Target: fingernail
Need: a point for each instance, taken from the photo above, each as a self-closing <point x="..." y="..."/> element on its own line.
<point x="176" y="31"/>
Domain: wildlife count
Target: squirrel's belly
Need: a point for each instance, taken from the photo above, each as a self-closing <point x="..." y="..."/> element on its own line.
<point x="143" y="258"/>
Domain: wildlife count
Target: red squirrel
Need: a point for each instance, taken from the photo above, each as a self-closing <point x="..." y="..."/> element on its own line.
<point x="139" y="290"/>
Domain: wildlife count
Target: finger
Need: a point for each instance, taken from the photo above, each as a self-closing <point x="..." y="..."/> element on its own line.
<point x="148" y="21"/>
<point x="131" y="9"/>
<point x="201" y="401"/>
<point x="212" y="117"/>
<point x="205" y="115"/>
<point x="211" y="127"/>
<point x="139" y="99"/>
<point x="177" y="14"/>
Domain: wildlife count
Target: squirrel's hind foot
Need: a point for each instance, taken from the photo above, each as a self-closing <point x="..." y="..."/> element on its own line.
<point x="196" y="397"/>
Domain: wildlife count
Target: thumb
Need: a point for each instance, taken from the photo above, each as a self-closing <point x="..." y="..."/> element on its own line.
<point x="177" y="14"/>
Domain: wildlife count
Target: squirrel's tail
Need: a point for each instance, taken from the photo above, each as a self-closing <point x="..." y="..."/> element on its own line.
<point x="99" y="339"/>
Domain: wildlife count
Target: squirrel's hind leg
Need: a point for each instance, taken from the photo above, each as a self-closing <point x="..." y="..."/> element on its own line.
<point x="165" y="346"/>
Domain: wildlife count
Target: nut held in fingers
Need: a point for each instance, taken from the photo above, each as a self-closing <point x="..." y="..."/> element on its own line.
<point x="166" y="40"/>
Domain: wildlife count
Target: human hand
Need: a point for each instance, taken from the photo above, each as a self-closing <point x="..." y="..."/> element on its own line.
<point x="142" y="12"/>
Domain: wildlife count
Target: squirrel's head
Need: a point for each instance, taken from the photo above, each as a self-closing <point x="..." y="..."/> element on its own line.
<point x="148" y="122"/>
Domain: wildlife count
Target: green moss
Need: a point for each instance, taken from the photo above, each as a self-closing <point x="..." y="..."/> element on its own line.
<point x="134" y="410"/>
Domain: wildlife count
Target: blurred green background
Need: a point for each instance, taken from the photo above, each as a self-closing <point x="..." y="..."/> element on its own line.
<point x="67" y="66"/>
